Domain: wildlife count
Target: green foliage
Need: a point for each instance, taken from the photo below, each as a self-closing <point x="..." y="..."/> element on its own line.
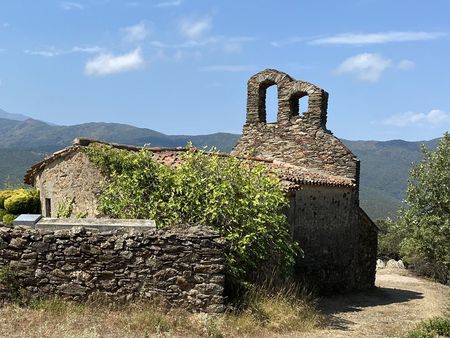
<point x="3" y="212"/>
<point x="4" y="194"/>
<point x="433" y="328"/>
<point x="22" y="201"/>
<point x="389" y="239"/>
<point x="241" y="200"/>
<point x="65" y="209"/>
<point x="425" y="222"/>
<point x="11" y="283"/>
<point x="8" y="277"/>
<point x="9" y="218"/>
<point x="81" y="215"/>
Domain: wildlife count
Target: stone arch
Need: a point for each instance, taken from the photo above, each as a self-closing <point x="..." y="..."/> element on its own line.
<point x="256" y="95"/>
<point x="317" y="104"/>
<point x="294" y="106"/>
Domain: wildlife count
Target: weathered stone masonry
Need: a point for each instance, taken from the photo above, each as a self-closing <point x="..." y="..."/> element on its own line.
<point x="339" y="249"/>
<point x="70" y="179"/>
<point x="301" y="140"/>
<point x="183" y="266"/>
<point x="339" y="243"/>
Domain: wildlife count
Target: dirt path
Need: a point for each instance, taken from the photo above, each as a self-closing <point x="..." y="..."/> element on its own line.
<point x="400" y="301"/>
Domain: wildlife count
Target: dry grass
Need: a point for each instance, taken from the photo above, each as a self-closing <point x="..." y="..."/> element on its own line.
<point x="265" y="314"/>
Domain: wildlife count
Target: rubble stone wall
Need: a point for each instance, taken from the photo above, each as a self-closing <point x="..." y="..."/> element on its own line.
<point x="71" y="179"/>
<point x="339" y="245"/>
<point x="326" y="225"/>
<point x="182" y="266"/>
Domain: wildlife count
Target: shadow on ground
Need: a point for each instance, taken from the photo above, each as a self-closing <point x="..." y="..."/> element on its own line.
<point x="356" y="302"/>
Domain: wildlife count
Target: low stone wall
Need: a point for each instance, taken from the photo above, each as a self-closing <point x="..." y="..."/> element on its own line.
<point x="183" y="266"/>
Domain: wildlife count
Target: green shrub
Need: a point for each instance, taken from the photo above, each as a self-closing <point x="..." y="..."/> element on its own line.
<point x="438" y="271"/>
<point x="9" y="218"/>
<point x="433" y="328"/>
<point x="389" y="239"/>
<point x="239" y="199"/>
<point x="23" y="201"/>
<point x="4" y="194"/>
<point x="65" y="209"/>
<point x="8" y="279"/>
<point x="3" y="212"/>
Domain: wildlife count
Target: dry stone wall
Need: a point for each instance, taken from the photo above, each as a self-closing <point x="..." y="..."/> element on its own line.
<point x="183" y="266"/>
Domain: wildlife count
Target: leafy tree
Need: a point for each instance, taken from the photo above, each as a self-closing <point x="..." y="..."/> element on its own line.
<point x="425" y="221"/>
<point x="389" y="238"/>
<point x="242" y="200"/>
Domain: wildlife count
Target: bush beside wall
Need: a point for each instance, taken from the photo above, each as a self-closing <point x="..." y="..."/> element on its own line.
<point x="16" y="202"/>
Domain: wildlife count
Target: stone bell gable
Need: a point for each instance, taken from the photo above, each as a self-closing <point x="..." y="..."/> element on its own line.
<point x="297" y="138"/>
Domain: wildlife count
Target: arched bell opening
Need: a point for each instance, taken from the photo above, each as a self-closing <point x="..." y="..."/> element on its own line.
<point x="299" y="103"/>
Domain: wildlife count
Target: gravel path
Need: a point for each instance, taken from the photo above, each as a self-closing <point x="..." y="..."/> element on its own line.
<point x="400" y="301"/>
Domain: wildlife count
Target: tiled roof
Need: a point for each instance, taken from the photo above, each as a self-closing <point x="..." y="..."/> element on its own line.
<point x="292" y="177"/>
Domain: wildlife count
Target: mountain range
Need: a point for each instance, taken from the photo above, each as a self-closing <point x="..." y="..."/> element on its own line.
<point x="10" y="116"/>
<point x="384" y="164"/>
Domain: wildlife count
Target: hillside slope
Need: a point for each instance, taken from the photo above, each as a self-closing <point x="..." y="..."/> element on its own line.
<point x="34" y="134"/>
<point x="384" y="172"/>
<point x="18" y="117"/>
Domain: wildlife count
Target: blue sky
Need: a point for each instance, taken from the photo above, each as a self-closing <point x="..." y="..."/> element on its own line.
<point x="181" y="66"/>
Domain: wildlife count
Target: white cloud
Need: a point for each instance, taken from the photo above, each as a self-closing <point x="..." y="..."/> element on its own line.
<point x="50" y="52"/>
<point x="228" y="44"/>
<point x="406" y="65"/>
<point x="159" y="44"/>
<point x="86" y="49"/>
<point x="136" y="32"/>
<point x="288" y="41"/>
<point x="187" y="44"/>
<point x="433" y="118"/>
<point x="68" y="6"/>
<point x="165" y="4"/>
<point x="234" y="44"/>
<point x="195" y="28"/>
<point x="229" y="68"/>
<point x="377" y="38"/>
<point x="366" y="66"/>
<point x="53" y="52"/>
<point x="105" y="64"/>
<point x="370" y="67"/>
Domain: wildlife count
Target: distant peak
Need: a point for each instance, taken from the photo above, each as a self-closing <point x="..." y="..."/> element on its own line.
<point x="10" y="116"/>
